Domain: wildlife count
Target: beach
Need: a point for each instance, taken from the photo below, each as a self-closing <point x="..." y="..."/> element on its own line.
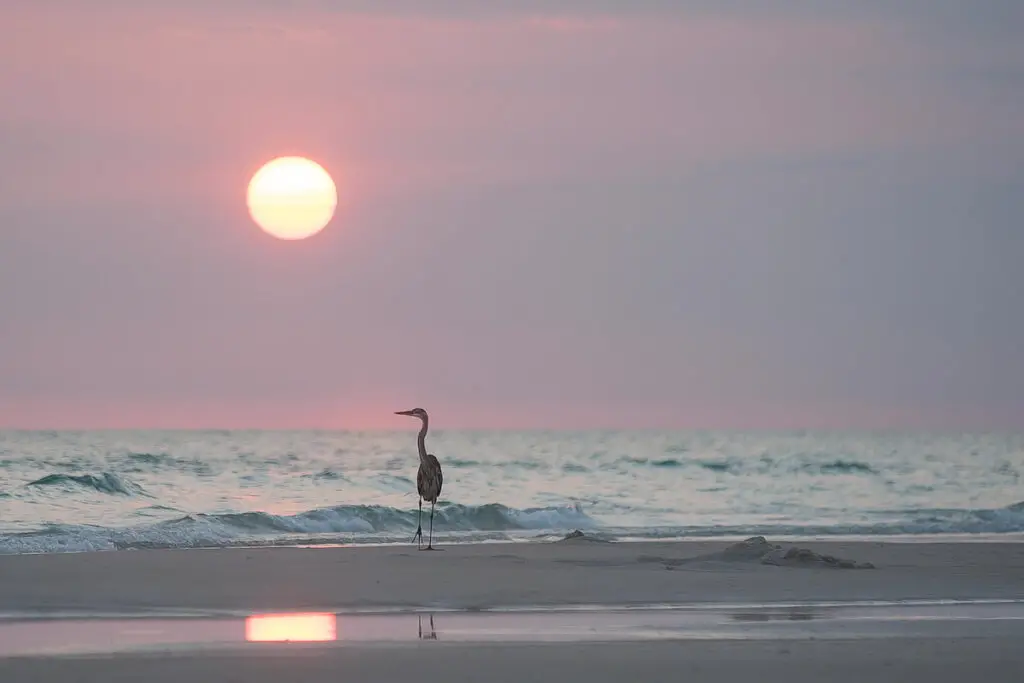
<point x="486" y="576"/>
<point x="577" y="574"/>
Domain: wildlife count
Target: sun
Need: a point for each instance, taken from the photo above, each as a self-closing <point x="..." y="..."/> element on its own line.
<point x="292" y="198"/>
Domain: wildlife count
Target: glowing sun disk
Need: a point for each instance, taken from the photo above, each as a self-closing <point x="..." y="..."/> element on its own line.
<point x="292" y="198"/>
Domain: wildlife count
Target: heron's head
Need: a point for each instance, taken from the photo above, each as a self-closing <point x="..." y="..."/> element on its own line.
<point x="415" y="412"/>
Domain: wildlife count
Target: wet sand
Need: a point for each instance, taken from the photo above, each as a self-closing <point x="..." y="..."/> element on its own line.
<point x="575" y="572"/>
<point x="938" y="660"/>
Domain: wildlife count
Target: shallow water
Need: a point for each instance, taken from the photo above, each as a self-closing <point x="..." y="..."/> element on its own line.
<point x="49" y="636"/>
<point x="62" y="491"/>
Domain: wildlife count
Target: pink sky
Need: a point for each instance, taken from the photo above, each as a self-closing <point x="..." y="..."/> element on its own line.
<point x="669" y="215"/>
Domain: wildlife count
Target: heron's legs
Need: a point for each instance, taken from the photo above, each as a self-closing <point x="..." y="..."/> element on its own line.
<point x="419" y="527"/>
<point x="430" y="537"/>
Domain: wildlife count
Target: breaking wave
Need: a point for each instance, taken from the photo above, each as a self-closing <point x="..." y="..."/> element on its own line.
<point x="939" y="522"/>
<point x="367" y="524"/>
<point x="341" y="524"/>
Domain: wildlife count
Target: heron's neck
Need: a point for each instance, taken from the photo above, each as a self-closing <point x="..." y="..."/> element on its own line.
<point x="421" y="441"/>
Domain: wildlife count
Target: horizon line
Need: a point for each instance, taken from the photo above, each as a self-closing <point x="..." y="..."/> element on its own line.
<point x="1018" y="431"/>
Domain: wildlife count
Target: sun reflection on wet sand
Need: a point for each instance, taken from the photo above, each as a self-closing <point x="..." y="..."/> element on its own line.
<point x="299" y="628"/>
<point x="40" y="635"/>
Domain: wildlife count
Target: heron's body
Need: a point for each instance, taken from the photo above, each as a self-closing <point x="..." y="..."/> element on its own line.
<point x="429" y="478"/>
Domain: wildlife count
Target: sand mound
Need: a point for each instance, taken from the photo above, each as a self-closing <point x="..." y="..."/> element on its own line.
<point x="577" y="536"/>
<point x="758" y="549"/>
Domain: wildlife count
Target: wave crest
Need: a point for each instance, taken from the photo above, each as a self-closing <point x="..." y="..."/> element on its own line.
<point x="105" y="482"/>
<point x="739" y="466"/>
<point x="842" y="467"/>
<point x="380" y="518"/>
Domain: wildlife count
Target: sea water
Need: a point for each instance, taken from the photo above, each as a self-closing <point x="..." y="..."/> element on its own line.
<point x="77" y="491"/>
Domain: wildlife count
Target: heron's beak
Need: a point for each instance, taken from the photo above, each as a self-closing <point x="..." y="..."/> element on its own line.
<point x="404" y="412"/>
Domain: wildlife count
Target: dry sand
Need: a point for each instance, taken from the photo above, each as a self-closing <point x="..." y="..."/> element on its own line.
<point x="571" y="572"/>
<point x="578" y="571"/>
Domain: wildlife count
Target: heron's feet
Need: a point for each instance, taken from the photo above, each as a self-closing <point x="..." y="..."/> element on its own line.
<point x="418" y="537"/>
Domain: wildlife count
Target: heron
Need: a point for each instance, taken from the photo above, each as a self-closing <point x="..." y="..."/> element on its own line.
<point x="428" y="478"/>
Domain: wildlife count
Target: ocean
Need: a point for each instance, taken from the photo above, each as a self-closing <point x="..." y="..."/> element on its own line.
<point x="82" y="491"/>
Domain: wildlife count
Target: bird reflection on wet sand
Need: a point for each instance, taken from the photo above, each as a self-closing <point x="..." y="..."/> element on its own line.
<point x="432" y="635"/>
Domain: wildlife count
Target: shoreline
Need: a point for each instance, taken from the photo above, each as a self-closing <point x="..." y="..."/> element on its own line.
<point x="200" y="614"/>
<point x="305" y="542"/>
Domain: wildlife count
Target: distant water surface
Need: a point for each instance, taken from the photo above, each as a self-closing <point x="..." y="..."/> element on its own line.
<point x="75" y="491"/>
